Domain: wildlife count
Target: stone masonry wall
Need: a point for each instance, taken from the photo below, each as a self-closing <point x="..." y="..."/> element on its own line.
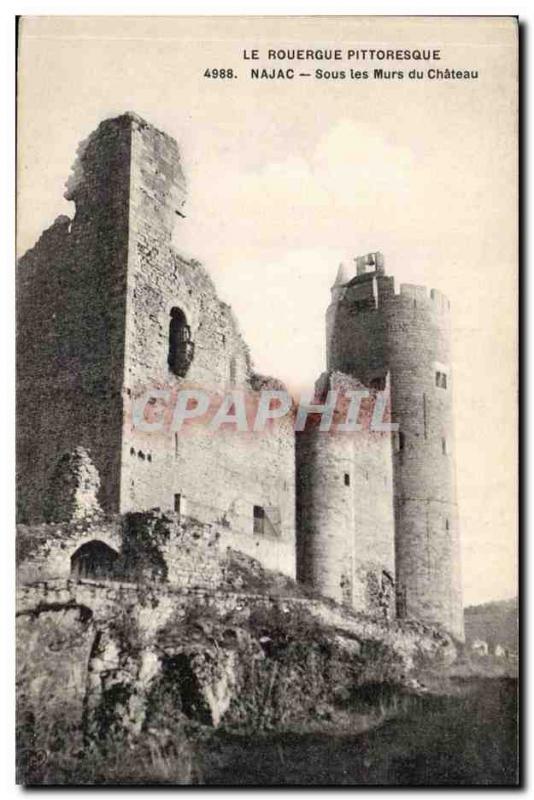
<point x="70" y="327"/>
<point x="345" y="511"/>
<point x="428" y="550"/>
<point x="154" y="610"/>
<point x="151" y="549"/>
<point x="221" y="476"/>
<point x="44" y="550"/>
<point x="95" y="297"/>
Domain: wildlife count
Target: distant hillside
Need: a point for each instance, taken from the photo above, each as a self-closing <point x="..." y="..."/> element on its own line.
<point x="495" y="623"/>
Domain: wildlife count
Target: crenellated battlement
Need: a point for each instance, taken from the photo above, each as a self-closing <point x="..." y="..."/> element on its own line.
<point x="372" y="288"/>
<point x="418" y="295"/>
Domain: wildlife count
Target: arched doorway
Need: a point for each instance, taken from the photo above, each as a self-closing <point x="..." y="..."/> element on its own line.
<point x="94" y="559"/>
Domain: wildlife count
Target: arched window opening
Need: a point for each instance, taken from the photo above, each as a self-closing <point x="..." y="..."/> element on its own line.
<point x="94" y="559"/>
<point x="181" y="348"/>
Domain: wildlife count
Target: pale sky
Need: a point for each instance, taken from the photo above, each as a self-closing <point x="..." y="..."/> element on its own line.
<point x="288" y="178"/>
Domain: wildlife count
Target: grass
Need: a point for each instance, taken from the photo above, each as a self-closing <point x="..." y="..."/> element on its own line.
<point x="465" y="740"/>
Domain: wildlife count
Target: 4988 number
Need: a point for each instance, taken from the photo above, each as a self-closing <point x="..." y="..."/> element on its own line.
<point x="219" y="72"/>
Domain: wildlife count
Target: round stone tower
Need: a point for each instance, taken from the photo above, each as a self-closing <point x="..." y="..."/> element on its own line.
<point x="345" y="522"/>
<point x="373" y="331"/>
<point x="325" y="513"/>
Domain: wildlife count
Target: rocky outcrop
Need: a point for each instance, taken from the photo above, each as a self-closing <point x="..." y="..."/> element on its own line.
<point x="54" y="642"/>
<point x="107" y="668"/>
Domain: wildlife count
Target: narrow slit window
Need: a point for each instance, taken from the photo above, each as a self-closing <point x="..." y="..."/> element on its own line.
<point x="347" y="479"/>
<point x="259" y="519"/>
<point x="177" y="503"/>
<point x="441" y="380"/>
<point x="233" y="370"/>
<point x="401" y="601"/>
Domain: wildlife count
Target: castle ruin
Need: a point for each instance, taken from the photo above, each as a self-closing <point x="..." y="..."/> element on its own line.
<point x="107" y="307"/>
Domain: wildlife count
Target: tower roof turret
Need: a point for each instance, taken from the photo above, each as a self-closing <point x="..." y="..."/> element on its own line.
<point x="343" y="275"/>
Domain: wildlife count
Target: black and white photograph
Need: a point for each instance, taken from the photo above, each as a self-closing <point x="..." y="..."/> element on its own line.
<point x="266" y="401"/>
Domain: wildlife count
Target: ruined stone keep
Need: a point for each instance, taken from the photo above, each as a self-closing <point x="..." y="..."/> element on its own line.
<point x="107" y="307"/>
